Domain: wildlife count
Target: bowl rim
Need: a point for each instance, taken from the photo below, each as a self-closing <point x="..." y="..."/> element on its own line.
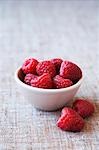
<point x="45" y="90"/>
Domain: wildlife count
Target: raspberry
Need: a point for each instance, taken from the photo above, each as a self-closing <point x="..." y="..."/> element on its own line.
<point x="70" y="120"/>
<point x="28" y="78"/>
<point x="60" y="82"/>
<point x="70" y="71"/>
<point x="83" y="107"/>
<point x="57" y="63"/>
<point x="46" y="67"/>
<point x="29" y="66"/>
<point x="43" y="81"/>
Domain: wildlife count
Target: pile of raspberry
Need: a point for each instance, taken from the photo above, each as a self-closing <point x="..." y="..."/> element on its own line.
<point x="50" y="74"/>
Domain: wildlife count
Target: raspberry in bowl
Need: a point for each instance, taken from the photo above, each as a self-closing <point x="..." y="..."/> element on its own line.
<point x="49" y="84"/>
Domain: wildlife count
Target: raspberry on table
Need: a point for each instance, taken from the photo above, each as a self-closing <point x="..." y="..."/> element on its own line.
<point x="60" y="82"/>
<point x="28" y="78"/>
<point x="70" y="120"/>
<point x="43" y="81"/>
<point x="29" y="66"/>
<point x="70" y="71"/>
<point x="57" y="63"/>
<point x="46" y="67"/>
<point x="83" y="107"/>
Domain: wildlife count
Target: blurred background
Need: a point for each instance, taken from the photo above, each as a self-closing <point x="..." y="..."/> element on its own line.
<point x="45" y="28"/>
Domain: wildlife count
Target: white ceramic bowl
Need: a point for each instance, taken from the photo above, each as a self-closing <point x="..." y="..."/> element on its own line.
<point x="46" y="99"/>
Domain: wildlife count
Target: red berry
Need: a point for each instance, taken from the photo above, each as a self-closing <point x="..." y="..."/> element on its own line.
<point x="60" y="82"/>
<point x="46" y="67"/>
<point x="70" y="71"/>
<point x="57" y="63"/>
<point x="43" y="81"/>
<point x="29" y="66"/>
<point x="28" y="78"/>
<point x="70" y="120"/>
<point x="83" y="107"/>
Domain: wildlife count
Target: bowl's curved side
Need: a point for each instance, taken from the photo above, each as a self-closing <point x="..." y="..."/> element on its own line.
<point x="47" y="99"/>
